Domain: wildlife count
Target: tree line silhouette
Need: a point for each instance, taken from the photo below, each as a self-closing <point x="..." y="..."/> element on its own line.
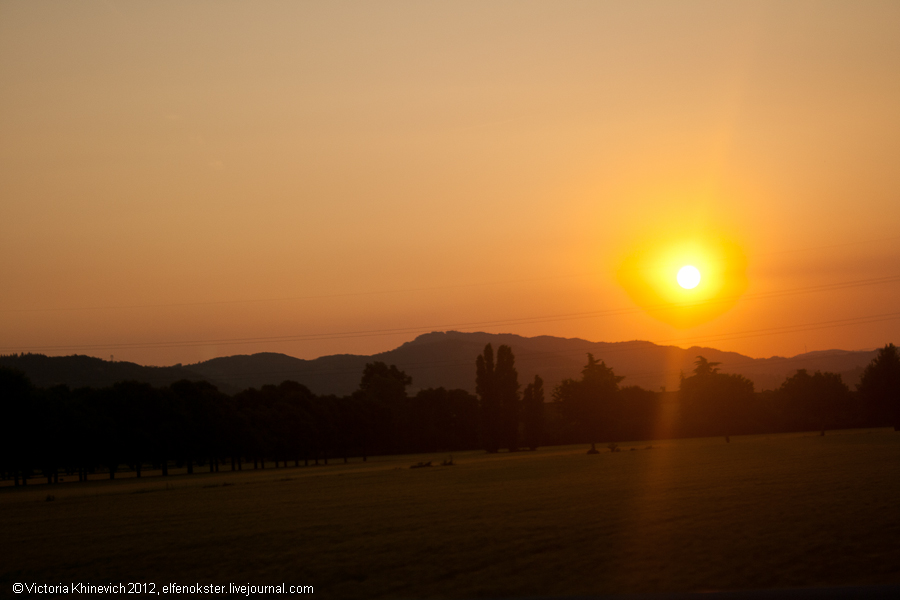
<point x="192" y="425"/>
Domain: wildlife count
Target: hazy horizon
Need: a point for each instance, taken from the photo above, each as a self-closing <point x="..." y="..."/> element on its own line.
<point x="186" y="181"/>
<point x="501" y="333"/>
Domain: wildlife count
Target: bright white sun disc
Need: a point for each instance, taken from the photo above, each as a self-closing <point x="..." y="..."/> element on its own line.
<point x="688" y="277"/>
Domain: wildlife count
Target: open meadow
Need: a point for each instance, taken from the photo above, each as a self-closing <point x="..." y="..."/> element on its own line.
<point x="685" y="515"/>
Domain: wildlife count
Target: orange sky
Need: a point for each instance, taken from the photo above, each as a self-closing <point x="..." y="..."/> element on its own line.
<point x="180" y="181"/>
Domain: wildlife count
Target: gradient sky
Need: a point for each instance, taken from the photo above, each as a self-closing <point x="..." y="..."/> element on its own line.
<point x="185" y="180"/>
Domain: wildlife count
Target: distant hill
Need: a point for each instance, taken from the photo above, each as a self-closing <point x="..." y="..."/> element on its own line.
<point x="86" y="371"/>
<point x="448" y="359"/>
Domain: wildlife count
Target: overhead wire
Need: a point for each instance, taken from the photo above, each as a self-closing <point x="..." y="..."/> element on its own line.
<point x="519" y="321"/>
<point x="384" y="292"/>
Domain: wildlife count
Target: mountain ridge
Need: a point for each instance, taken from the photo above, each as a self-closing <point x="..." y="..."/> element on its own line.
<point x="446" y="359"/>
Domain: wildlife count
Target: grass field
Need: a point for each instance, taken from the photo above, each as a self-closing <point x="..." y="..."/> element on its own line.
<point x="686" y="515"/>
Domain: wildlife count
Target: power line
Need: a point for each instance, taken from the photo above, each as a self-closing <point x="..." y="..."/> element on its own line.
<point x="522" y="321"/>
<point x="790" y="328"/>
<point x="383" y="292"/>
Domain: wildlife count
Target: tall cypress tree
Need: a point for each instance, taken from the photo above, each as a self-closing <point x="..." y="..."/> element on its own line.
<point x="533" y="412"/>
<point x="508" y="394"/>
<point x="497" y="385"/>
<point x="486" y="388"/>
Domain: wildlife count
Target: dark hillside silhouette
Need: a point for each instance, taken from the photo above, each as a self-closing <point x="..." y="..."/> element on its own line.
<point x="86" y="371"/>
<point x="442" y="359"/>
<point x="445" y="359"/>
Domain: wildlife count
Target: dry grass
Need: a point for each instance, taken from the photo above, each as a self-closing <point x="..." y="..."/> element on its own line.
<point x="760" y="512"/>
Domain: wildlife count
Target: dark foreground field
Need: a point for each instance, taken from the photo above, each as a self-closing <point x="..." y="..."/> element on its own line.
<point x="690" y="515"/>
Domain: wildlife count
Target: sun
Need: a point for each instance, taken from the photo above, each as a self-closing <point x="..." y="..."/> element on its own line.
<point x="684" y="280"/>
<point x="688" y="277"/>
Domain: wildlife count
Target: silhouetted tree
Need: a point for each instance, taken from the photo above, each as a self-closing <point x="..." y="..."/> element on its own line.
<point x="373" y="421"/>
<point x="383" y="382"/>
<point x="704" y="369"/>
<point x="17" y="442"/>
<point x="131" y="405"/>
<point x="715" y="403"/>
<point x="591" y="405"/>
<point x="533" y="412"/>
<point x="196" y="401"/>
<point x="879" y="386"/>
<point x="60" y="434"/>
<point x="497" y="386"/>
<point x="486" y="388"/>
<point x="508" y="391"/>
<point x="816" y="401"/>
<point x="639" y="413"/>
<point x="385" y="387"/>
<point x="461" y="420"/>
<point x="135" y="424"/>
